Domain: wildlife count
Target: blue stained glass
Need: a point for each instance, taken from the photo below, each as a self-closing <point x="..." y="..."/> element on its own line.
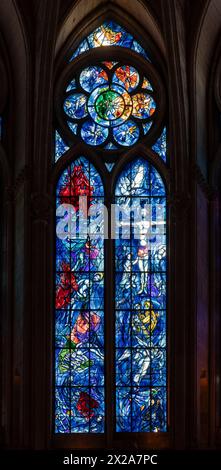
<point x="73" y="127"/>
<point x="146" y="127"/>
<point x="93" y="134"/>
<point x="109" y="166"/>
<point x="139" y="49"/>
<point x="60" y="146"/>
<point x="127" y="134"/>
<point x="108" y="93"/>
<point x="110" y="105"/>
<point x="123" y="329"/>
<point x="83" y="47"/>
<point x="79" y="314"/>
<point x="109" y="34"/>
<point x="157" y="187"/>
<point x="160" y="146"/>
<point x="63" y="411"/>
<point x="110" y="146"/>
<point x="72" y="85"/>
<point x="158" y="408"/>
<point x="140" y="301"/>
<point x="91" y="77"/>
<point x="140" y="418"/>
<point x="158" y="367"/>
<point x="75" y="106"/>
<point x="135" y="181"/>
<point x="107" y="101"/>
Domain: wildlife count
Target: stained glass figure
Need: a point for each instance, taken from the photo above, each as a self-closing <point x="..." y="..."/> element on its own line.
<point x="79" y="304"/>
<point x="75" y="106"/>
<point x="109" y="34"/>
<point x="91" y="77"/>
<point x="127" y="134"/>
<point x="111" y="105"/>
<point x="140" y="301"/>
<point x="93" y="134"/>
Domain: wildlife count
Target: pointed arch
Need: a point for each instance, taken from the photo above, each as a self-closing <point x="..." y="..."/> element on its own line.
<point x="202" y="56"/>
<point x="140" y="300"/>
<point x="14" y="102"/>
<point x="206" y="155"/>
<point x="17" y="53"/>
<point x="79" y="303"/>
<point x="83" y="18"/>
<point x="82" y="71"/>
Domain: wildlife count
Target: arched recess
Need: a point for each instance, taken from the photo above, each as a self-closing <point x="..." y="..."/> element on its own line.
<point x="5" y="254"/>
<point x="204" y="228"/>
<point x="17" y="52"/>
<point x="136" y="440"/>
<point x="215" y="246"/>
<point x="6" y="240"/>
<point x="13" y="161"/>
<point x="202" y="53"/>
<point x="140" y="17"/>
<point x="92" y="21"/>
<point x="140" y="284"/>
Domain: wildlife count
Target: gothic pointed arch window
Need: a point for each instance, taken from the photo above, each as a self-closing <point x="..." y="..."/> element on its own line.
<point x="111" y="277"/>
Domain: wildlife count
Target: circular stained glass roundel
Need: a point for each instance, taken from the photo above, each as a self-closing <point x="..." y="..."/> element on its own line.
<point x="112" y="105"/>
<point x="109" y="105"/>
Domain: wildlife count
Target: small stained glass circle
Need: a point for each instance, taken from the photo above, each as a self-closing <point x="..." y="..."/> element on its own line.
<point x="109" y="105"/>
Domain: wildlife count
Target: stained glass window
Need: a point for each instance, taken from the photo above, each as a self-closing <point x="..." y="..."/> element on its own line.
<point x="108" y="103"/>
<point x="109" y="34"/>
<point x="140" y="299"/>
<point x="60" y="146"/>
<point x="79" y="299"/>
<point x="111" y="103"/>
<point x="160" y="146"/>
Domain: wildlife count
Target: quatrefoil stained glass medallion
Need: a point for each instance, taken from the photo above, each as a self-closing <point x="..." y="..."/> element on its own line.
<point x="110" y="105"/>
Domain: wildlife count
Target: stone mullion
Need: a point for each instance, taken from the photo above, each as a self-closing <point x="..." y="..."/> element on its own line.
<point x="179" y="228"/>
<point x="40" y="208"/>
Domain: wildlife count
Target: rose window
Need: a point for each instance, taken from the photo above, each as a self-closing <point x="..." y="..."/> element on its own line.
<point x="111" y="105"/>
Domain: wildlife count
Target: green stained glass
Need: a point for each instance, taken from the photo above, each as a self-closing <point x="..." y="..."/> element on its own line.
<point x="109" y="105"/>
